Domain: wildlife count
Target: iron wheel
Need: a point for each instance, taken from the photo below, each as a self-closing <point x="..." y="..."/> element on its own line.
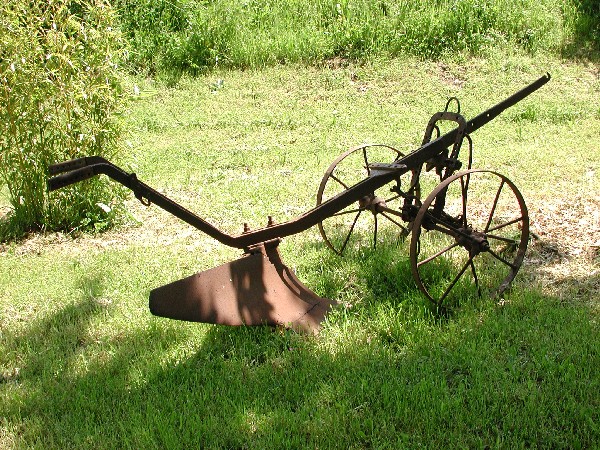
<point x="473" y="242"/>
<point x="372" y="216"/>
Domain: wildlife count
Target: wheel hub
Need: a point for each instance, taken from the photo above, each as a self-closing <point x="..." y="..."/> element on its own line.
<point x="474" y="241"/>
<point x="372" y="203"/>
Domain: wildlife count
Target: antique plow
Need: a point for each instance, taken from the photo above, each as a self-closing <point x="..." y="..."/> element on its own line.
<point x="468" y="235"/>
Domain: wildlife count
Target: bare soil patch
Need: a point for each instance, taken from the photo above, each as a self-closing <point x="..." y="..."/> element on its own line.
<point x="564" y="254"/>
<point x="563" y="257"/>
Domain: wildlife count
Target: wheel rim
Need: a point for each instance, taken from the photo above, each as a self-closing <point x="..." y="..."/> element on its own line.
<point x="476" y="245"/>
<point x="372" y="217"/>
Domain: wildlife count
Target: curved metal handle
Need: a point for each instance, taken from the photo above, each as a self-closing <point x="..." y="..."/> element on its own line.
<point x="74" y="164"/>
<point x="67" y="166"/>
<point x="74" y="176"/>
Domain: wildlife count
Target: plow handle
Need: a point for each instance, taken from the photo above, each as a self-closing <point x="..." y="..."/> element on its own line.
<point x="74" y="164"/>
<point x="76" y="170"/>
<point x="74" y="176"/>
<point x="494" y="111"/>
<point x="67" y="166"/>
<point x="80" y="169"/>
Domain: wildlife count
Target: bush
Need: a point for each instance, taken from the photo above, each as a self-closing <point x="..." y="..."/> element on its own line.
<point x="59" y="96"/>
<point x="586" y="24"/>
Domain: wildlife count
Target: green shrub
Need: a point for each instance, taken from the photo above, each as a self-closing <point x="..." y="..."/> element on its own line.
<point x="152" y="28"/>
<point x="59" y="94"/>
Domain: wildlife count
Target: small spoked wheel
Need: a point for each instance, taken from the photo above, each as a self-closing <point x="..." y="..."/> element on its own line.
<point x="469" y="237"/>
<point x="373" y="216"/>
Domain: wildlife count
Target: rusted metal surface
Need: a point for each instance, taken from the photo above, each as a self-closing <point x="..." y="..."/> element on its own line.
<point x="88" y="167"/>
<point x="486" y="231"/>
<point x="257" y="289"/>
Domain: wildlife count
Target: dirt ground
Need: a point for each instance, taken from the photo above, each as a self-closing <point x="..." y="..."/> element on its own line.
<point x="563" y="257"/>
<point x="564" y="254"/>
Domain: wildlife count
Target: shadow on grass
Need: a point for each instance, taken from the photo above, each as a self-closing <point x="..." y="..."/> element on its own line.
<point x="586" y="42"/>
<point x="381" y="374"/>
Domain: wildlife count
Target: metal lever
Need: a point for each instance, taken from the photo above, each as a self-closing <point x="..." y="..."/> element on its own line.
<point x="74" y="164"/>
<point x="74" y="176"/>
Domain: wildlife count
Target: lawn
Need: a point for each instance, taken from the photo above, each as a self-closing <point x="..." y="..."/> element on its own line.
<point x="83" y="364"/>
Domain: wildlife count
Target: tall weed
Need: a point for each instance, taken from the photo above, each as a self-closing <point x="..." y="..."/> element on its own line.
<point x="59" y="93"/>
<point x="584" y="20"/>
<point x="175" y="36"/>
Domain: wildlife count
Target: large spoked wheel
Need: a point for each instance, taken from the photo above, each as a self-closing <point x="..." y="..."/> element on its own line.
<point x="373" y="216"/>
<point x="469" y="237"/>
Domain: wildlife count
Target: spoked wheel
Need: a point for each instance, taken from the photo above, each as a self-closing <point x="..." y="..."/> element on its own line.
<point x="373" y="216"/>
<point x="469" y="237"/>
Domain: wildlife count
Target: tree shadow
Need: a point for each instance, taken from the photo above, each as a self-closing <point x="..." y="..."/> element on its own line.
<point x="67" y="379"/>
<point x="403" y="381"/>
<point x="259" y="387"/>
<point x="551" y="267"/>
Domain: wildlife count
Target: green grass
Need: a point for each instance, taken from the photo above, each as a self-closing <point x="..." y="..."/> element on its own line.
<point x="83" y="364"/>
<point x="189" y="36"/>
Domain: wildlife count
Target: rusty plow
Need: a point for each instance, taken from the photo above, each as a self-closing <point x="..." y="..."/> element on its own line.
<point x="469" y="233"/>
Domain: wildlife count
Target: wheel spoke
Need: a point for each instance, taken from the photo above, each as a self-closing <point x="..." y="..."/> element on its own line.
<point x="456" y="278"/>
<point x="464" y="185"/>
<point x="395" y="222"/>
<point x="510" y="222"/>
<point x="495" y="204"/>
<point x="388" y="200"/>
<point x="332" y="176"/>
<point x="502" y="260"/>
<point x="350" y="232"/>
<point x="441" y="252"/>
<point x="375" y="232"/>
<point x="475" y="278"/>
<point x="348" y="211"/>
<point x="364" y="151"/>
<point x="502" y="238"/>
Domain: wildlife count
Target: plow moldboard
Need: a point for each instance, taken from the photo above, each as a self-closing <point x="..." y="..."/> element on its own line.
<point x="257" y="289"/>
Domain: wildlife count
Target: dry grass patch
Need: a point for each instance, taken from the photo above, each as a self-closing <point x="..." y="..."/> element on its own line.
<point x="564" y="255"/>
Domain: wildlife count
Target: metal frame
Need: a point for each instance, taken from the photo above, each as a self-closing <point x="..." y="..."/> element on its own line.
<point x="259" y="289"/>
<point x="80" y="169"/>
